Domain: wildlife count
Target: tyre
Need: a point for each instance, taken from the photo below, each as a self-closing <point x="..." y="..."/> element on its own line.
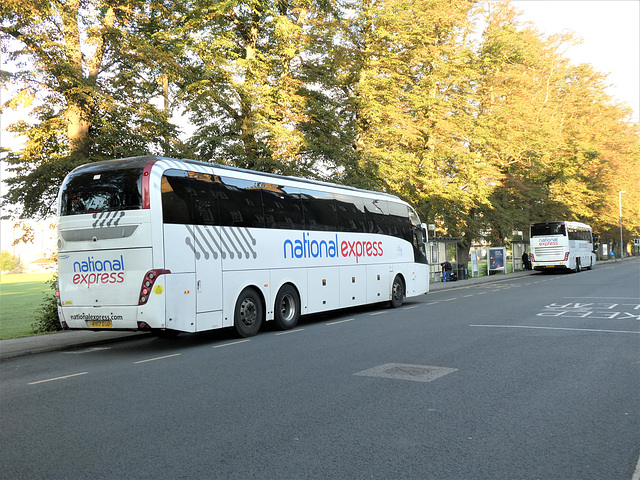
<point x="249" y="313"/>
<point x="287" y="308"/>
<point x="397" y="292"/>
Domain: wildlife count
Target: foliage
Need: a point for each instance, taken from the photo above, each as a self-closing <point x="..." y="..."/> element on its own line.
<point x="8" y="262"/>
<point x="47" y="315"/>
<point x="480" y="135"/>
<point x="87" y="71"/>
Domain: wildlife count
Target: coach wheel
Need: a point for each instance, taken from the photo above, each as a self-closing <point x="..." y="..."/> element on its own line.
<point x="248" y="314"/>
<point x="287" y="308"/>
<point x="397" y="292"/>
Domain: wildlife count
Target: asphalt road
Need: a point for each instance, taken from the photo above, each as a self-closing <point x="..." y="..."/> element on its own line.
<point x="535" y="377"/>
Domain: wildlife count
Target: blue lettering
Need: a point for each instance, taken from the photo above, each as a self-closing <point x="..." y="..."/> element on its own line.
<point x="308" y="248"/>
<point x="285" y="247"/>
<point x="91" y="265"/>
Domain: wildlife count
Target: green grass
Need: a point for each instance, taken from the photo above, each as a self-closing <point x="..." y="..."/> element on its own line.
<point x="20" y="296"/>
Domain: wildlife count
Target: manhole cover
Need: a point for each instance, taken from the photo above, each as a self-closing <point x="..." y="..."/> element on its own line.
<point x="403" y="371"/>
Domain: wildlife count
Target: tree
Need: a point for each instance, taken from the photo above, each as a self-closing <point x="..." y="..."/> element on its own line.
<point x="88" y="70"/>
<point x="8" y="262"/>
<point x="549" y="126"/>
<point x="243" y="82"/>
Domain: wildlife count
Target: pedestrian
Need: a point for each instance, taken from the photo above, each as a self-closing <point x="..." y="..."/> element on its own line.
<point x="525" y="262"/>
<point x="446" y="271"/>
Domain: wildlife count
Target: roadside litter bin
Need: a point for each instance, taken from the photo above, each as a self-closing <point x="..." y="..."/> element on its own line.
<point x="462" y="272"/>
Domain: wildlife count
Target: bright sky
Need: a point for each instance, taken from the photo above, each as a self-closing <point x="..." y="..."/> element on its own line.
<point x="610" y="30"/>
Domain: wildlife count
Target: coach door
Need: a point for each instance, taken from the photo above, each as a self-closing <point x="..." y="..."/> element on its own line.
<point x="207" y="250"/>
<point x="191" y="251"/>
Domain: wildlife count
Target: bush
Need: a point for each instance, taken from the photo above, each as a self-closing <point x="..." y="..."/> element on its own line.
<point x="47" y="315"/>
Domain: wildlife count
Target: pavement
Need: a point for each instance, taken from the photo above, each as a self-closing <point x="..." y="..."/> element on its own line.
<point x="75" y="339"/>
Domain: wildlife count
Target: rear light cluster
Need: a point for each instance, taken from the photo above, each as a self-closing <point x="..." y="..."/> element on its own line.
<point x="147" y="284"/>
<point x="533" y="259"/>
<point x="566" y="256"/>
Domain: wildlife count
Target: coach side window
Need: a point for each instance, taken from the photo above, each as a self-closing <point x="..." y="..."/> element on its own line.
<point x="282" y="207"/>
<point x="240" y="203"/>
<point x="351" y="216"/>
<point x="176" y="197"/>
<point x="205" y="201"/>
<point x="376" y="220"/>
<point x="400" y="224"/>
<point x="319" y="210"/>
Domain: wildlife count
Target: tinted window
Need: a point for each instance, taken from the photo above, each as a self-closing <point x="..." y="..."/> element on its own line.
<point x="176" y="197"/>
<point x="319" y="210"/>
<point x="549" y="228"/>
<point x="205" y="198"/>
<point x="579" y="233"/>
<point x="351" y="216"/>
<point x="282" y="207"/>
<point x="399" y="223"/>
<point x="376" y="216"/>
<point x="101" y="191"/>
<point x="240" y="203"/>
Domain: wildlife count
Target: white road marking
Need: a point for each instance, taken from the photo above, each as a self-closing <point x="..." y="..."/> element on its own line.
<point x="231" y="343"/>
<point x="339" y="321"/>
<point x="158" y="358"/>
<point x="58" y="378"/>
<point x="290" y="331"/>
<point x="556" y="328"/>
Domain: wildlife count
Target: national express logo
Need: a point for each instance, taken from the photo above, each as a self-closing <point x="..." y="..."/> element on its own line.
<point x="308" y="248"/>
<point x="548" y="242"/>
<point x="98" y="272"/>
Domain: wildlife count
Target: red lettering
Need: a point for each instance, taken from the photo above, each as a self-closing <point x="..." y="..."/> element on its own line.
<point x="361" y="249"/>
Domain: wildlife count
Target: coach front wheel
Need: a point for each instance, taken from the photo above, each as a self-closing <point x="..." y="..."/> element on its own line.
<point x="287" y="308"/>
<point x="249" y="313"/>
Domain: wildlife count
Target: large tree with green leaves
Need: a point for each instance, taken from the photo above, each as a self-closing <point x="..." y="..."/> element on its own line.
<point x="88" y="70"/>
<point x="249" y="68"/>
<point x="550" y="128"/>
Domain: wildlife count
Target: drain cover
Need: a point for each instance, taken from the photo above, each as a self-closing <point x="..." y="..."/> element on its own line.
<point x="403" y="371"/>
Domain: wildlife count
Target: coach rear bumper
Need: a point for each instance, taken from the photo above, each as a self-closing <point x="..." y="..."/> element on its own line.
<point x="107" y="318"/>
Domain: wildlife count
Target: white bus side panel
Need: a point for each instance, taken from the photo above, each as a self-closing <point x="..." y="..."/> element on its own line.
<point x="378" y="289"/>
<point x="181" y="302"/>
<point x="353" y="285"/>
<point x="324" y="289"/>
<point x="193" y="251"/>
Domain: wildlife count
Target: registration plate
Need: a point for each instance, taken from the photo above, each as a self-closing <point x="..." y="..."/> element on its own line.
<point x="100" y="324"/>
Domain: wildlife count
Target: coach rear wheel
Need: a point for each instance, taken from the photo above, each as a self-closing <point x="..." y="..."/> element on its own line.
<point x="249" y="313"/>
<point x="397" y="292"/>
<point x="287" y="308"/>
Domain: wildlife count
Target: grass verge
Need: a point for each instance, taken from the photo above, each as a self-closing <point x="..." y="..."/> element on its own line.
<point x="20" y="296"/>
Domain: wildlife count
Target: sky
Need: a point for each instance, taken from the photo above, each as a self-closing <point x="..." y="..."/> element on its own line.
<point x="610" y="30"/>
